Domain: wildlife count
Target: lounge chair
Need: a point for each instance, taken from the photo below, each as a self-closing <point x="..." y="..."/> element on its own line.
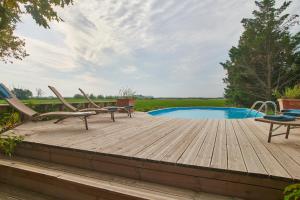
<point x="33" y="115"/>
<point x="291" y="112"/>
<point x="127" y="109"/>
<point x="72" y="108"/>
<point x="282" y="120"/>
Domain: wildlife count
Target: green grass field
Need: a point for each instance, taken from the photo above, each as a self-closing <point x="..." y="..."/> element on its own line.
<point x="145" y="104"/>
<point x="153" y="104"/>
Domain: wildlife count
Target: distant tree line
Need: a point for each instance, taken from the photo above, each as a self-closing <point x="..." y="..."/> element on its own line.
<point x="23" y="94"/>
<point x="267" y="57"/>
<point x="100" y="96"/>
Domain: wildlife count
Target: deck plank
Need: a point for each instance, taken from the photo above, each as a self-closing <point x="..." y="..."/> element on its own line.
<point x="205" y="154"/>
<point x="8" y="192"/>
<point x="235" y="157"/>
<point x="270" y="164"/>
<point x="170" y="144"/>
<point x="115" y="135"/>
<point x="284" y="159"/>
<point x="110" y="182"/>
<point x="219" y="159"/>
<point x="290" y="146"/>
<point x="179" y="148"/>
<point x="134" y="143"/>
<point x="154" y="144"/>
<point x="250" y="157"/>
<point x="130" y="133"/>
<point x="189" y="156"/>
<point x="67" y="134"/>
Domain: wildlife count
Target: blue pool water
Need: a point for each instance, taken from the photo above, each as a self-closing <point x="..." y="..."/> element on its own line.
<point x="206" y="113"/>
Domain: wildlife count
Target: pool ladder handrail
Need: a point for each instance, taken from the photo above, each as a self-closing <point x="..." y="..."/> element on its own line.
<point x="264" y="104"/>
<point x="254" y="105"/>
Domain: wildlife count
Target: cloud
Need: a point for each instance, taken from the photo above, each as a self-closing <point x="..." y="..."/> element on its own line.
<point x="160" y="48"/>
<point x="129" y="69"/>
<point x="47" y="55"/>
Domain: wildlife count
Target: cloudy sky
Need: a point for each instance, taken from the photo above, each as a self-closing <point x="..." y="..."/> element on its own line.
<point x="169" y="48"/>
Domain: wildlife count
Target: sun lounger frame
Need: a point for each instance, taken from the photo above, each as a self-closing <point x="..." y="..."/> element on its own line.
<point x="34" y="116"/>
<point x="289" y="125"/>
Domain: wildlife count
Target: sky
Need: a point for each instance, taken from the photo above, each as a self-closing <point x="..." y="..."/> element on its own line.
<point x="168" y="48"/>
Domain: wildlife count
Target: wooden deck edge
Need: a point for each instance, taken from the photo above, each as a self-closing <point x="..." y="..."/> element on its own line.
<point x="238" y="184"/>
<point x="58" y="187"/>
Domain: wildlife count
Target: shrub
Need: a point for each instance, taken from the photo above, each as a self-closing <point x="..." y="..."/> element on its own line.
<point x="8" y="143"/>
<point x="9" y="120"/>
<point x="289" y="93"/>
<point x="292" y="93"/>
<point x="292" y="192"/>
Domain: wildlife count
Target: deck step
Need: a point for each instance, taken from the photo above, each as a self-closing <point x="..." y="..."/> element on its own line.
<point x="66" y="182"/>
<point x="8" y="192"/>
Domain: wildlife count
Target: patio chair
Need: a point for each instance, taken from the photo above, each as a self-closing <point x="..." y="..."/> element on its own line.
<point x="128" y="109"/>
<point x="292" y="112"/>
<point x="33" y="115"/>
<point x="72" y="108"/>
<point x="282" y="120"/>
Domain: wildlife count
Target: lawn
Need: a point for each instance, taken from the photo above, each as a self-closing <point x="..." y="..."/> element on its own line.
<point x="143" y="104"/>
<point x="153" y="104"/>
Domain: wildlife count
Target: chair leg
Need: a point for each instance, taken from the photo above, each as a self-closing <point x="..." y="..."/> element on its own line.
<point x="112" y="115"/>
<point x="129" y="112"/>
<point x="86" y="123"/>
<point x="270" y="132"/>
<point x="288" y="131"/>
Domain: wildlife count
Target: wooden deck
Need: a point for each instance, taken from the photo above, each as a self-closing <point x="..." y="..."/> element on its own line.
<point x="237" y="147"/>
<point x="8" y="192"/>
<point x="79" y="184"/>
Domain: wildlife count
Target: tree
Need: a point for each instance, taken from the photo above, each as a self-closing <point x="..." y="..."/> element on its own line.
<point x="22" y="93"/>
<point x="39" y="92"/>
<point x="267" y="56"/>
<point x="92" y="96"/>
<point x="42" y="11"/>
<point x="100" y="96"/>
<point x="78" y="96"/>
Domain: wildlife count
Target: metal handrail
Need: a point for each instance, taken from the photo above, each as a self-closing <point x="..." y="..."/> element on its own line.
<point x="264" y="104"/>
<point x="254" y="105"/>
<point x="272" y="103"/>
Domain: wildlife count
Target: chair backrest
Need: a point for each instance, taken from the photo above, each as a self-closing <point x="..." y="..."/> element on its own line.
<point x="12" y="100"/>
<point x="88" y="98"/>
<point x="60" y="97"/>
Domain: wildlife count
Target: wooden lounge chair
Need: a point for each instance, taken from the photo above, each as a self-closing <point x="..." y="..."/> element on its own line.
<point x="128" y="109"/>
<point x="288" y="124"/>
<point x="33" y="115"/>
<point x="72" y="108"/>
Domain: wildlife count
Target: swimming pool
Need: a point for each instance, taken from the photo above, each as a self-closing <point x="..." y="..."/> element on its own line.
<point x="206" y="113"/>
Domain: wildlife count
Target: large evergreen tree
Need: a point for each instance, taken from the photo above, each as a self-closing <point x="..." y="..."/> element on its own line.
<point x="267" y="57"/>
